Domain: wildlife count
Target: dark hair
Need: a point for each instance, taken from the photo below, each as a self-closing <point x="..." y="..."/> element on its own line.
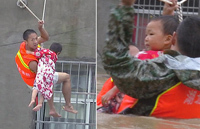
<point x="56" y="47"/>
<point x="169" y="23"/>
<point x="27" y="33"/>
<point x="188" y="36"/>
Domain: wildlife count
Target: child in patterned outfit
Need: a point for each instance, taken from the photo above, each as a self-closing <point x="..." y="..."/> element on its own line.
<point x="46" y="70"/>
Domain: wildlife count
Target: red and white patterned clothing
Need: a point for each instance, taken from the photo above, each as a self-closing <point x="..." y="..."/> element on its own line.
<point x="45" y="71"/>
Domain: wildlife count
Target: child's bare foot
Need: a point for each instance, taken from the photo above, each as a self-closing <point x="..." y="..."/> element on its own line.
<point x="37" y="108"/>
<point x="54" y="113"/>
<point x="69" y="109"/>
<point x="31" y="103"/>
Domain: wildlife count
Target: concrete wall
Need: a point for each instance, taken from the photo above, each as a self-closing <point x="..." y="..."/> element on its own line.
<point x="103" y="12"/>
<point x="70" y="22"/>
<point x="103" y="7"/>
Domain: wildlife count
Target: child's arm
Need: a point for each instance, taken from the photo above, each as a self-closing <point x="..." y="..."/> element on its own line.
<point x="109" y="95"/>
<point x="133" y="50"/>
<point x="38" y="53"/>
<point x="29" y="52"/>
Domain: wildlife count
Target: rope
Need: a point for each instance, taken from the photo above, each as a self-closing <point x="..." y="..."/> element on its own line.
<point x="43" y="14"/>
<point x="44" y="7"/>
<point x="182" y="1"/>
<point x="180" y="13"/>
<point x="179" y="10"/>
<point x="30" y="10"/>
<point x="19" y="4"/>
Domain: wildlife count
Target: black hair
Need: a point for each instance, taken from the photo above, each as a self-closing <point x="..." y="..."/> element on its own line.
<point x="169" y="23"/>
<point x="27" y="33"/>
<point x="188" y="36"/>
<point x="56" y="47"/>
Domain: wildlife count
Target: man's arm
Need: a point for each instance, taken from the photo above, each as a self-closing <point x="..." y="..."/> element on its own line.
<point x="44" y="36"/>
<point x="134" y="77"/>
<point x="33" y="66"/>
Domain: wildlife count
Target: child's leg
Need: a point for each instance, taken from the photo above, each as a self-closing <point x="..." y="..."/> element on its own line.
<point x="66" y="90"/>
<point x="52" y="110"/>
<point x="34" y="94"/>
<point x="37" y="108"/>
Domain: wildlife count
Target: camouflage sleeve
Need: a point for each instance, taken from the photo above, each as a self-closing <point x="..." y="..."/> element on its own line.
<point x="134" y="77"/>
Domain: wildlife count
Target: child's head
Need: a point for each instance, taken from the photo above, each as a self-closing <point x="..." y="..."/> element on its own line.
<point x="56" y="47"/>
<point x="159" y="33"/>
<point x="188" y="37"/>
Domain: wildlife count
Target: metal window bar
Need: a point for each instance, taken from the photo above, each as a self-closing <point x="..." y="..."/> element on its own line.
<point x="147" y="9"/>
<point x="83" y="98"/>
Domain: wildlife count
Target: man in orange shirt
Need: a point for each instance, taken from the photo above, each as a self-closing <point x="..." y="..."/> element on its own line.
<point x="27" y="66"/>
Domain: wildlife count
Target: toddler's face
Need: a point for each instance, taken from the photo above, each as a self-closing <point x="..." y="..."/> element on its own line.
<point x="155" y="37"/>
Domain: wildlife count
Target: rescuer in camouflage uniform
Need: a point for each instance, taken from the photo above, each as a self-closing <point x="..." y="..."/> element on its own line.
<point x="145" y="80"/>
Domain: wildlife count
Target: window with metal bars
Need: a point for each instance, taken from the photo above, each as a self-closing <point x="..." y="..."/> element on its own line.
<point x="83" y="99"/>
<point x="147" y="9"/>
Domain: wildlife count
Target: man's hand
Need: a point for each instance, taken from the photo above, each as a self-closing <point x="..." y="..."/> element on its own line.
<point x="44" y="36"/>
<point x="169" y="9"/>
<point x="40" y="24"/>
<point x="128" y="2"/>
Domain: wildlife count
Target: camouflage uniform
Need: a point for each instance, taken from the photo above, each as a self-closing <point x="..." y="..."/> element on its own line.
<point x="141" y="79"/>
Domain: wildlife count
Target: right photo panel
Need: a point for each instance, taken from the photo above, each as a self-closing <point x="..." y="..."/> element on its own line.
<point x="148" y="70"/>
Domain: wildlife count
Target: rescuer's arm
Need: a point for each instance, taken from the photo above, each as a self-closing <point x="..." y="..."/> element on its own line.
<point x="33" y="66"/>
<point x="44" y="36"/>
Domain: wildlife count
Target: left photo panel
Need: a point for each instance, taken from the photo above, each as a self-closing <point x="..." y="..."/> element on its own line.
<point x="48" y="64"/>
